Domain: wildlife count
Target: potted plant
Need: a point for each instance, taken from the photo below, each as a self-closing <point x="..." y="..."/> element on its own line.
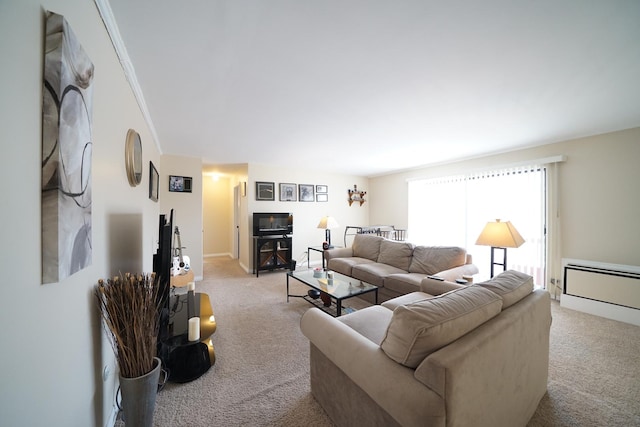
<point x="129" y="308"/>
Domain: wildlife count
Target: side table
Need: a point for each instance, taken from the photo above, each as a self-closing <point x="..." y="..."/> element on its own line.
<point x="317" y="249"/>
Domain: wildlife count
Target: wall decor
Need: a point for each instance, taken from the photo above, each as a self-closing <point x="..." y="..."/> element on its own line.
<point x="306" y="192"/>
<point x="154" y="182"/>
<point x="356" y="195"/>
<point x="322" y="189"/>
<point x="180" y="184"/>
<point x="67" y="108"/>
<point x="265" y="190"/>
<point x="288" y="192"/>
<point x="133" y="157"/>
<point x="322" y="197"/>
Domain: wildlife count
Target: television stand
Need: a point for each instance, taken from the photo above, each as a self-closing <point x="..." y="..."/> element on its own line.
<point x="271" y="253"/>
<point x="187" y="360"/>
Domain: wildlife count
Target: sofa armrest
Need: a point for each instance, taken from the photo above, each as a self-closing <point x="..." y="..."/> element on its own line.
<point x="437" y="287"/>
<point x="391" y="385"/>
<point x="497" y="372"/>
<point x="338" y="253"/>
<point x="457" y="272"/>
<point x="469" y="259"/>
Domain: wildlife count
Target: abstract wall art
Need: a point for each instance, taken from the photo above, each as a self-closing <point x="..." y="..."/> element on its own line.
<point x="66" y="153"/>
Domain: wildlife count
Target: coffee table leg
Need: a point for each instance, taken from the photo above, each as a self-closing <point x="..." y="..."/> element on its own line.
<point x="288" y="288"/>
<point x="339" y="307"/>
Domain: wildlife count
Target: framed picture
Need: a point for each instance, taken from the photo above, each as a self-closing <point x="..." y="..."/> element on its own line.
<point x="305" y="192"/>
<point x="321" y="188"/>
<point x="66" y="191"/>
<point x="322" y="197"/>
<point x="180" y="184"/>
<point x="288" y="192"/>
<point x="265" y="190"/>
<point x="154" y="182"/>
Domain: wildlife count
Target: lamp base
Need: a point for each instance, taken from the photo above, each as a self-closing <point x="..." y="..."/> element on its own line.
<point x="504" y="259"/>
<point x="327" y="237"/>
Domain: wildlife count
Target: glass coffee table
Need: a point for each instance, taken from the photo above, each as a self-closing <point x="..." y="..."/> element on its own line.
<point x="338" y="289"/>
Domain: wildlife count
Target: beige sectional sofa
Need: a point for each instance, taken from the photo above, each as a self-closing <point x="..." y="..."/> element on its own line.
<point x="399" y="268"/>
<point x="475" y="356"/>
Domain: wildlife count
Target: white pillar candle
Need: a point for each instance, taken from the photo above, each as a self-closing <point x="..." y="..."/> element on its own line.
<point x="194" y="329"/>
<point x="191" y="286"/>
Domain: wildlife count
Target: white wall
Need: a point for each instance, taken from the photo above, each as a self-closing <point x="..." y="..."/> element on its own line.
<point x="598" y="195"/>
<point x="53" y="350"/>
<point x="306" y="215"/>
<point x="187" y="207"/>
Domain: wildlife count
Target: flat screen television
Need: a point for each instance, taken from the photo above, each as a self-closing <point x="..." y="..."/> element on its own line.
<point x="272" y="223"/>
<point x="162" y="268"/>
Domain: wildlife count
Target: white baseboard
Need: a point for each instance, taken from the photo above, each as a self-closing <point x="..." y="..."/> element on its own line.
<point x="245" y="268"/>
<point x="215" y="255"/>
<point x="602" y="309"/>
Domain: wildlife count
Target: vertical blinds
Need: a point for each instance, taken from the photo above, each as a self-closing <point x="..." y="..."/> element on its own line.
<point x="453" y="210"/>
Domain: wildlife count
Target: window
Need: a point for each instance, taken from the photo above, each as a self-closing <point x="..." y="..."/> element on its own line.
<point x="453" y="211"/>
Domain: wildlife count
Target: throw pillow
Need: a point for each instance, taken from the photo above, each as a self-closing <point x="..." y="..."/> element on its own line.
<point x="434" y="259"/>
<point x="418" y="329"/>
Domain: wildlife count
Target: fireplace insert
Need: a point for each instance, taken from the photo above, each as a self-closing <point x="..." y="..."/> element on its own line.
<point x="272" y="224"/>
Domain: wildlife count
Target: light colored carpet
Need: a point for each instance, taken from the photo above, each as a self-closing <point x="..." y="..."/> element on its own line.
<point x="261" y="376"/>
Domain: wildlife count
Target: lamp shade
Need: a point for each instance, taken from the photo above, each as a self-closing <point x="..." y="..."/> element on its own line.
<point x="500" y="235"/>
<point x="328" y="222"/>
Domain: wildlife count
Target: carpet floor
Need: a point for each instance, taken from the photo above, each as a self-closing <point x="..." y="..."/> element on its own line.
<point x="261" y="374"/>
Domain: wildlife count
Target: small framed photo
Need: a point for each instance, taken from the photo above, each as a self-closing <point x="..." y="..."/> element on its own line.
<point x="322" y="197"/>
<point x="288" y="192"/>
<point x="305" y="192"/>
<point x="321" y="189"/>
<point x="154" y="182"/>
<point x="180" y="184"/>
<point x="265" y="190"/>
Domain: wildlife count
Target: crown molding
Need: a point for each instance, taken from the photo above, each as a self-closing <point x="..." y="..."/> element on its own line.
<point x="104" y="9"/>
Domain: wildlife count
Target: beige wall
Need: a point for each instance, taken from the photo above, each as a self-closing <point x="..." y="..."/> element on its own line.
<point x="218" y="210"/>
<point x="598" y="199"/>
<point x="53" y="349"/>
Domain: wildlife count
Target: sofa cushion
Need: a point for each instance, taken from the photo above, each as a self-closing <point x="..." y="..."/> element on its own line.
<point x="345" y="265"/>
<point x="371" y="322"/>
<point x="366" y="246"/>
<point x="405" y="299"/>
<point x="374" y="272"/>
<point x="434" y="259"/>
<point x="404" y="282"/>
<point x="397" y="254"/>
<point x="418" y="329"/>
<point x="511" y="285"/>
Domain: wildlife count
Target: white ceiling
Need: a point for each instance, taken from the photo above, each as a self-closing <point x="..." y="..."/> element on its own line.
<point x="366" y="87"/>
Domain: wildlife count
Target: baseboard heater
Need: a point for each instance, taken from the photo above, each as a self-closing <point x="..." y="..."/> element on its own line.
<point x="607" y="290"/>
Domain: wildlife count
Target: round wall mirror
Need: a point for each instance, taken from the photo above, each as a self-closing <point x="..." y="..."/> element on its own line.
<point x="133" y="157"/>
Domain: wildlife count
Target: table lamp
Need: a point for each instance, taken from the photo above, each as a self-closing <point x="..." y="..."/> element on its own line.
<point x="499" y="235"/>
<point x="328" y="222"/>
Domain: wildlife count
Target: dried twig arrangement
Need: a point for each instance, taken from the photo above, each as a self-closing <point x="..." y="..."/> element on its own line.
<point x="129" y="307"/>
